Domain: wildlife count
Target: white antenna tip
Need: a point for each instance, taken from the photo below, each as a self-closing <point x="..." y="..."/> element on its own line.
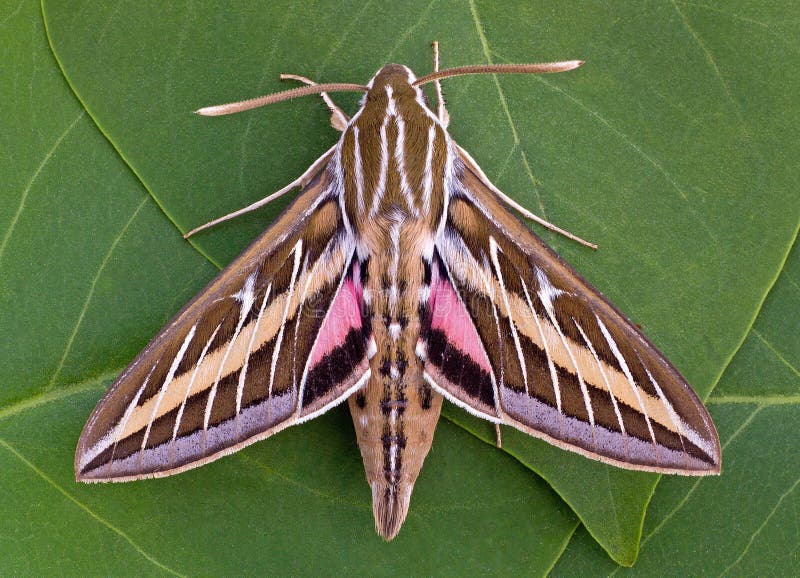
<point x="210" y="111"/>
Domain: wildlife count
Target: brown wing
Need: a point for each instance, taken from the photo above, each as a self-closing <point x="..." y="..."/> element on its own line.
<point x="256" y="351"/>
<point x="556" y="359"/>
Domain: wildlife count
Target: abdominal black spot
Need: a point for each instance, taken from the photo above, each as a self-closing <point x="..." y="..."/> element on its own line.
<point x="425" y="395"/>
<point x="386" y="367"/>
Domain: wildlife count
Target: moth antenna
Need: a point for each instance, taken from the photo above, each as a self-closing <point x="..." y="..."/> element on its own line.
<point x="543" y="68"/>
<point x="243" y="105"/>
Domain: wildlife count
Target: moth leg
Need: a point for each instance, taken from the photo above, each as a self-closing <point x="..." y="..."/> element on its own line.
<point x="470" y="162"/>
<point x="498" y="437"/>
<point x="299" y="182"/>
<point x="339" y="119"/>
<point x="441" y="111"/>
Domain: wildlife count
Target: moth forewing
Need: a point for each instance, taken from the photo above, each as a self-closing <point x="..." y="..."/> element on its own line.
<point x="205" y="386"/>
<point x="575" y="371"/>
<point x="398" y="276"/>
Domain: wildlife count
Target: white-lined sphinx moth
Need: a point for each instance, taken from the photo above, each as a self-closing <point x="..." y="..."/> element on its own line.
<point x="396" y="278"/>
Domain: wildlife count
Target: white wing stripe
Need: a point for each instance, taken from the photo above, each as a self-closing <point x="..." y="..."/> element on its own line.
<point x="551" y="366"/>
<point x="191" y="382"/>
<point x="113" y="437"/>
<point x="298" y="248"/>
<point x="546" y="295"/>
<point x="603" y="374"/>
<point x="615" y="350"/>
<point x="489" y="286"/>
<point x="247" y="297"/>
<point x="170" y="374"/>
<point x="243" y="373"/>
<point x="520" y="356"/>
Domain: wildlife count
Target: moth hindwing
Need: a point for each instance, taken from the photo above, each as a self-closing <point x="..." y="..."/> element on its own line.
<point x="398" y="277"/>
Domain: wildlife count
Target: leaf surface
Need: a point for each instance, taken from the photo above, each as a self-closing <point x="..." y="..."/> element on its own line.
<point x="670" y="148"/>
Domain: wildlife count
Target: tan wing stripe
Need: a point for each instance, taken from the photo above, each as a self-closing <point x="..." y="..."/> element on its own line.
<point x="603" y="373"/>
<point x="298" y="248"/>
<point x="206" y="372"/>
<point x="489" y="286"/>
<point x="543" y="334"/>
<point x="170" y="374"/>
<point x="243" y="373"/>
<point x="191" y="382"/>
<point x="684" y="429"/>
<point x="246" y="296"/>
<point x="673" y="416"/>
<point x="543" y="343"/>
<point x="546" y="295"/>
<point x="623" y="364"/>
<point x="520" y="356"/>
<point x="117" y="433"/>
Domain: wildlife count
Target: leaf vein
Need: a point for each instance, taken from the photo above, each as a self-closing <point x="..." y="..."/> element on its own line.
<point x="767" y="400"/>
<point x="111" y="141"/>
<point x="288" y="16"/>
<point x="86" y="508"/>
<point x="710" y="59"/>
<point x="24" y="198"/>
<point x="728" y="14"/>
<point x="696" y="483"/>
<point x="58" y="394"/>
<point x="410" y="30"/>
<point x="12" y="14"/>
<point x="777" y="354"/>
<point x="487" y="52"/>
<point x="90" y="294"/>
<point x="763" y="525"/>
<point x="342" y="37"/>
<point x="758" y="308"/>
<point x="293" y="482"/>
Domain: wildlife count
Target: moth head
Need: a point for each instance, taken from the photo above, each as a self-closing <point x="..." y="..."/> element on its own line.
<point x="392" y="81"/>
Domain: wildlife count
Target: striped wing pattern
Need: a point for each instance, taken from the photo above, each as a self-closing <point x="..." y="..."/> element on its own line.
<point x="517" y="337"/>
<point x="275" y="339"/>
<point x="399" y="276"/>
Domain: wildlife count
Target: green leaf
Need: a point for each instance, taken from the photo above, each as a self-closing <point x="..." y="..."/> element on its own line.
<point x="670" y="148"/>
<point x="296" y="505"/>
<point x="90" y="268"/>
<point x="745" y="522"/>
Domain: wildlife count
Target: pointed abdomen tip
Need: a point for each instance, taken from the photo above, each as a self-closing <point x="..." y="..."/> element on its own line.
<point x="390" y="508"/>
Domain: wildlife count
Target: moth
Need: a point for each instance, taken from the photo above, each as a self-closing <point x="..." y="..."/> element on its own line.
<point x="398" y="277"/>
